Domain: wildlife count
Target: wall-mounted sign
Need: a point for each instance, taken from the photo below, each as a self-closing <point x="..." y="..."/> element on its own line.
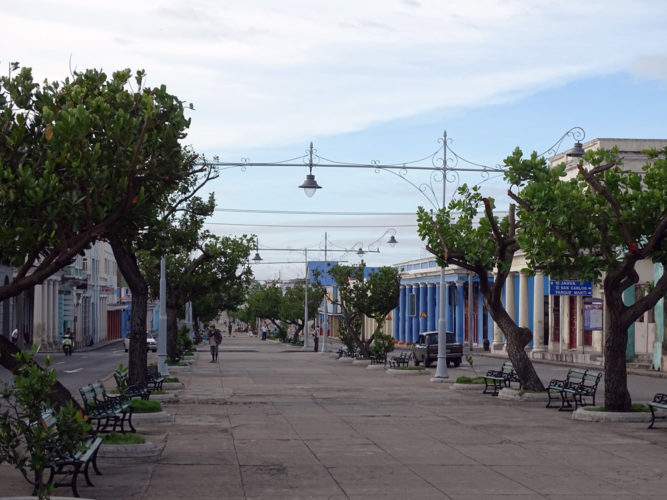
<point x="570" y="287"/>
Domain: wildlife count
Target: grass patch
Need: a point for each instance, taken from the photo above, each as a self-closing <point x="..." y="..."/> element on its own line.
<point x="636" y="407"/>
<point x="172" y="380"/>
<point x="409" y="368"/>
<point x="177" y="363"/>
<point x="470" y="380"/>
<point x="122" y="438"/>
<point x="145" y="406"/>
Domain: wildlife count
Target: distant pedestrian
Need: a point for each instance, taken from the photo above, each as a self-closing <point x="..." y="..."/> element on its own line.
<point x="264" y="331"/>
<point x="214" y="339"/>
<point x="229" y="328"/>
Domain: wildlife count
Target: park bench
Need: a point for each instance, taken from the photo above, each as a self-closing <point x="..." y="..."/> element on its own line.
<point x="105" y="410"/>
<point x="154" y="379"/>
<point x="71" y="465"/>
<point x="402" y="359"/>
<point x="659" y="403"/>
<point x="132" y="391"/>
<point x="378" y="358"/>
<point x="577" y="385"/>
<point x="497" y="379"/>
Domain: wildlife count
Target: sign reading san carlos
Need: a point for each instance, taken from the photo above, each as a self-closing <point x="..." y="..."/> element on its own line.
<point x="570" y="287"/>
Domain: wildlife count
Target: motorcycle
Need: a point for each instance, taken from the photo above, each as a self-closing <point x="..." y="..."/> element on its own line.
<point x="68" y="346"/>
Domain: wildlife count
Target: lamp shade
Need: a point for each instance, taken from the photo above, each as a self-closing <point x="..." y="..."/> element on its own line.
<point x="310" y="185"/>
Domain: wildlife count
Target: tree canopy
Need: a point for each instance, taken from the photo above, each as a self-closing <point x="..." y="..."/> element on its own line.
<point x="374" y="295"/>
<point x="75" y="156"/>
<point x="597" y="225"/>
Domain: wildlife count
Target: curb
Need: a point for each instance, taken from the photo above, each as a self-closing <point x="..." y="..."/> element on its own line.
<point x="152" y="418"/>
<point x="466" y="387"/>
<point x="610" y="416"/>
<point x="129" y="452"/>
<point x="516" y="395"/>
<point x="394" y="371"/>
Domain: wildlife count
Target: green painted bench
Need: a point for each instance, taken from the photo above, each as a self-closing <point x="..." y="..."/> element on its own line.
<point x="402" y="359"/>
<point x="495" y="380"/>
<point x="578" y="387"/>
<point x="71" y="465"/>
<point x="108" y="412"/>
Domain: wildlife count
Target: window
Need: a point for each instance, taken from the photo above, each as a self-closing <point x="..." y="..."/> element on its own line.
<point x="413" y="305"/>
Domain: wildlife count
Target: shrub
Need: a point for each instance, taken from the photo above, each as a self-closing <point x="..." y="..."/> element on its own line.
<point x="25" y="441"/>
<point x="122" y="438"/>
<point x="145" y="406"/>
<point x="470" y="380"/>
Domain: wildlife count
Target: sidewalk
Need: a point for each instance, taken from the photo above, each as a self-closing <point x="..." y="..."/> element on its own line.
<point x="271" y="421"/>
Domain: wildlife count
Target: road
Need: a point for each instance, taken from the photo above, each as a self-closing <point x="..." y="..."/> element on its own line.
<point x="83" y="367"/>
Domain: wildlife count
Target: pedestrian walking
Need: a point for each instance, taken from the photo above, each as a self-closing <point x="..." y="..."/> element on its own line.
<point x="264" y="331"/>
<point x="214" y="339"/>
<point x="229" y="328"/>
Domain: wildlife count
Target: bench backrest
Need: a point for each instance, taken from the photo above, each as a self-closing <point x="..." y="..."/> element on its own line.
<point x="87" y="395"/>
<point x="660" y="398"/>
<point x="100" y="391"/>
<point x="507" y="367"/>
<point x="48" y="418"/>
<point x="591" y="378"/>
<point x="576" y="375"/>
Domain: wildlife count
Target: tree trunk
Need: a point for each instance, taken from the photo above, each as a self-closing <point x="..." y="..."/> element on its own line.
<point x="517" y="339"/>
<point x="616" y="395"/>
<point x="60" y="395"/>
<point x="127" y="263"/>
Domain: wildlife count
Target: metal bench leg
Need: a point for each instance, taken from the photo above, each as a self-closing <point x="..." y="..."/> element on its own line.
<point x="652" y="417"/>
<point x="566" y="404"/>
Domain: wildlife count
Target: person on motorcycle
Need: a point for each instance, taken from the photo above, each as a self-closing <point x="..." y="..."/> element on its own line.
<point x="68" y="342"/>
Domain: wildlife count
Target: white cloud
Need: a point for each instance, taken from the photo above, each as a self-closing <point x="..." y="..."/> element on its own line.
<point x="268" y="72"/>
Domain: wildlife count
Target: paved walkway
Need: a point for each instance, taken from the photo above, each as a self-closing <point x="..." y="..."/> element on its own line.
<point x="275" y="422"/>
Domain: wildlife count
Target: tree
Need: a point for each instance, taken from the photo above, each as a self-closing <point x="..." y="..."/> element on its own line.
<point x="359" y="295"/>
<point x="292" y="311"/>
<point x="199" y="263"/>
<point x="596" y="226"/>
<point x="76" y="157"/>
<point x="455" y="237"/>
<point x="143" y="231"/>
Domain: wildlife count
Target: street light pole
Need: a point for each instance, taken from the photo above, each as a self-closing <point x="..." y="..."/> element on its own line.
<point x="306" y="334"/>
<point x="441" y="374"/>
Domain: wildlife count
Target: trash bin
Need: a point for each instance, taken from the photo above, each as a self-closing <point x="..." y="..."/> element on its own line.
<point x="316" y="342"/>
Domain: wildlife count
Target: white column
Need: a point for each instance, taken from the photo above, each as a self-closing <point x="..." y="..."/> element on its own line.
<point x="498" y="343"/>
<point x="510" y="303"/>
<point x="524" y="303"/>
<point x="538" y="313"/>
<point x="38" y="337"/>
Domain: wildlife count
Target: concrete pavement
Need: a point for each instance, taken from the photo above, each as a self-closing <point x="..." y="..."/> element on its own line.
<point x="278" y="422"/>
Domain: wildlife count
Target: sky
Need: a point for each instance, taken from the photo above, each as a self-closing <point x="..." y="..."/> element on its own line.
<point x="365" y="81"/>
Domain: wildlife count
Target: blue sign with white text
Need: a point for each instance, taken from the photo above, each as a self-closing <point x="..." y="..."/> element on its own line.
<point x="571" y="287"/>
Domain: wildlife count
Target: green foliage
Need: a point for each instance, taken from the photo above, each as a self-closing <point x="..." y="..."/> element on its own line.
<point x="26" y="441"/>
<point x="470" y="380"/>
<point x="375" y="296"/>
<point x="145" y="406"/>
<point x="184" y="340"/>
<point x="457" y="235"/>
<point x="572" y="228"/>
<point x="122" y="438"/>
<point x="470" y="361"/>
<point x="122" y="380"/>
<point x="383" y="344"/>
<point x="77" y="157"/>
